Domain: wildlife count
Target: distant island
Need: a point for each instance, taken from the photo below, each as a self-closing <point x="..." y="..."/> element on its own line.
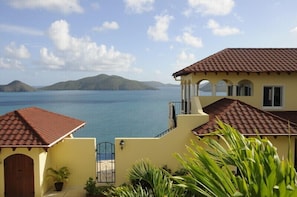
<point x="16" y="86"/>
<point x="99" y="82"/>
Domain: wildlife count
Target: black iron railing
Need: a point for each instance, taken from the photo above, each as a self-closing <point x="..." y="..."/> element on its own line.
<point x="178" y="106"/>
<point x="175" y="108"/>
<point x="163" y="133"/>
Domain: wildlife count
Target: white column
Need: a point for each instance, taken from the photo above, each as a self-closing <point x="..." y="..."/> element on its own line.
<point x="234" y="89"/>
<point x="213" y="90"/>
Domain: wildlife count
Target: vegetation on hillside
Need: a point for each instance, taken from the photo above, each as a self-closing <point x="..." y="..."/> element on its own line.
<point x="234" y="166"/>
<point x="100" y="82"/>
<point x="16" y="86"/>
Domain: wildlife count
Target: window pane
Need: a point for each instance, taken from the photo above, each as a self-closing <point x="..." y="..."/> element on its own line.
<point x="267" y="97"/>
<point x="230" y="90"/>
<point x="247" y="91"/>
<point x="277" y="96"/>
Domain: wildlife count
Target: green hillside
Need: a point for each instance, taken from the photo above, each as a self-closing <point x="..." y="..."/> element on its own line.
<point x="100" y="82"/>
<point x="16" y="86"/>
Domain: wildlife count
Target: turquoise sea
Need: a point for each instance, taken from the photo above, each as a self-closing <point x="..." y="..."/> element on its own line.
<point x="108" y="114"/>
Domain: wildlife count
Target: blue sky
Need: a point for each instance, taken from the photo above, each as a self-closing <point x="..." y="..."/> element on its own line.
<point x="44" y="42"/>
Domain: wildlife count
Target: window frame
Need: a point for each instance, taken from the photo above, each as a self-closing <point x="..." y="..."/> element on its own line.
<point x="276" y="102"/>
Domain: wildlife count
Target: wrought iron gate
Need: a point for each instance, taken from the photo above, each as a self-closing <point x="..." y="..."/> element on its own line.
<point x="105" y="162"/>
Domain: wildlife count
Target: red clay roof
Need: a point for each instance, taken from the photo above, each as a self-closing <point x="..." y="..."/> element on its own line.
<point x="35" y="127"/>
<point x="251" y="60"/>
<point x="245" y="118"/>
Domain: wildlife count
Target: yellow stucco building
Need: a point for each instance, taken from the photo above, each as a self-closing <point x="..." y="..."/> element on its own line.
<point x="252" y="89"/>
<point x="31" y="141"/>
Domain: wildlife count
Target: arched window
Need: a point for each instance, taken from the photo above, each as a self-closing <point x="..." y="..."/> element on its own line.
<point x="224" y="88"/>
<point x="204" y="88"/>
<point x="244" y="88"/>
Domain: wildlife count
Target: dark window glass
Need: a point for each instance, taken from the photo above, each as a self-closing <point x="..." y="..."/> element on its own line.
<point x="272" y="96"/>
<point x="230" y="90"/>
<point x="277" y="96"/>
<point x="267" y="98"/>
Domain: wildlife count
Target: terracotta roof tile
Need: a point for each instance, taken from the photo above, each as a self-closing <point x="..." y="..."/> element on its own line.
<point x="35" y="127"/>
<point x="245" y="118"/>
<point x="254" y="60"/>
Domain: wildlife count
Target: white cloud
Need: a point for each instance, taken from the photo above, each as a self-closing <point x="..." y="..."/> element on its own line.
<point x="64" y="6"/>
<point x="139" y="6"/>
<point x="158" y="32"/>
<point x="18" y="52"/>
<point x="190" y="40"/>
<point x="294" y="30"/>
<point x="20" y="30"/>
<point x="8" y="63"/>
<point x="107" y="26"/>
<point x="184" y="59"/>
<point x="59" y="33"/>
<point x="211" y="7"/>
<point x="50" y="60"/>
<point x="84" y="54"/>
<point x="218" y="30"/>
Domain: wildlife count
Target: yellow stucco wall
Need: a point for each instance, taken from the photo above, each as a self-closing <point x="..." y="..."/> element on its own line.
<point x="78" y="154"/>
<point x="282" y="145"/>
<point x="287" y="81"/>
<point x="160" y="151"/>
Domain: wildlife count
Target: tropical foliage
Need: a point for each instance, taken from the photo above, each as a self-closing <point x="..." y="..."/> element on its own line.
<point x="260" y="171"/>
<point x="59" y="175"/>
<point x="148" y="180"/>
<point x="231" y="166"/>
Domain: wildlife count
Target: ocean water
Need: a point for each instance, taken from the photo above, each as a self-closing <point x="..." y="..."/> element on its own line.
<point x="108" y="114"/>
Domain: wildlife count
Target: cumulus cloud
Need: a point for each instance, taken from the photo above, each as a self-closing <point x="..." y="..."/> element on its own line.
<point x="64" y="6"/>
<point x="218" y="30"/>
<point x="211" y="7"/>
<point x="158" y="32"/>
<point x="13" y="56"/>
<point x="294" y="30"/>
<point x="49" y="59"/>
<point x="107" y="26"/>
<point x="190" y="40"/>
<point x="82" y="53"/>
<point x="20" y="30"/>
<point x="59" y="33"/>
<point x="18" y="52"/>
<point x="184" y="59"/>
<point x="7" y="63"/>
<point x="139" y="6"/>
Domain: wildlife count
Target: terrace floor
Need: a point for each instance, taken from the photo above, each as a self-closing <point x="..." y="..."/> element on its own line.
<point x="67" y="192"/>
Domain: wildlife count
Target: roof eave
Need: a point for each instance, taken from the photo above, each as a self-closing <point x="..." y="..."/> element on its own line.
<point x="67" y="134"/>
<point x="44" y="145"/>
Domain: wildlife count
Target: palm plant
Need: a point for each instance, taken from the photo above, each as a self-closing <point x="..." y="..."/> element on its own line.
<point x="260" y="170"/>
<point x="149" y="181"/>
<point x="59" y="176"/>
<point x="211" y="171"/>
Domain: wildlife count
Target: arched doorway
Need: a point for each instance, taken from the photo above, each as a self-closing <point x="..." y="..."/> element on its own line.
<point x="19" y="176"/>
